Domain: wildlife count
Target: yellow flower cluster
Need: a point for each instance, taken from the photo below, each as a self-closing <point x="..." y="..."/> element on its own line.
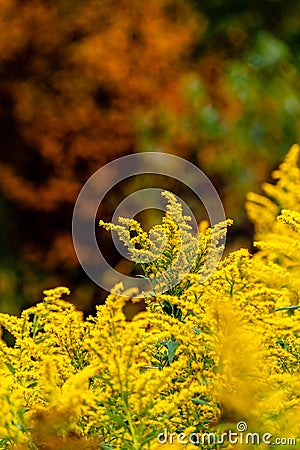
<point x="168" y="252"/>
<point x="199" y="359"/>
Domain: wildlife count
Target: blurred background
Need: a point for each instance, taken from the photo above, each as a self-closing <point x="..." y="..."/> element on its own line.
<point x="84" y="82"/>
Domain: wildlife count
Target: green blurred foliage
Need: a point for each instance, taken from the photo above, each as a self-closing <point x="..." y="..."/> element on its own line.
<point x="241" y="108"/>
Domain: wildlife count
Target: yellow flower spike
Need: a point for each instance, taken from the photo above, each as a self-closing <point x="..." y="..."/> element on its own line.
<point x="56" y="293"/>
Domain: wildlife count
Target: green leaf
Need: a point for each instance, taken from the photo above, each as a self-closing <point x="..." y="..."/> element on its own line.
<point x="143" y="276"/>
<point x="167" y="308"/>
<point x="4" y="442"/>
<point x="200" y="402"/>
<point x="118" y="420"/>
<point x="41" y="339"/>
<point x="288" y="308"/>
<point x="10" y="368"/>
<point x="172" y="347"/>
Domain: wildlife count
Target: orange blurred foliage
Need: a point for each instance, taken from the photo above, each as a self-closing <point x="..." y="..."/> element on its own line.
<point x="73" y="75"/>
